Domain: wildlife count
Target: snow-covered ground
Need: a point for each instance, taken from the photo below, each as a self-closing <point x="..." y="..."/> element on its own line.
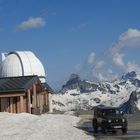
<point x="138" y="104"/>
<point x="45" y="127"/>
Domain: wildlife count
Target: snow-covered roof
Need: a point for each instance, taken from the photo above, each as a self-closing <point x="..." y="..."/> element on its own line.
<point x="22" y="63"/>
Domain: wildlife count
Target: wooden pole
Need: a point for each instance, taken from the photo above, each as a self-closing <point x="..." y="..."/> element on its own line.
<point x="29" y="100"/>
<point x="34" y="96"/>
<point x="11" y="105"/>
<point x="50" y="103"/>
<point x="21" y="103"/>
<point x="46" y="98"/>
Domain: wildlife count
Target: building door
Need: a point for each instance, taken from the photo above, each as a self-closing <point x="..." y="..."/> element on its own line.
<point x="4" y="104"/>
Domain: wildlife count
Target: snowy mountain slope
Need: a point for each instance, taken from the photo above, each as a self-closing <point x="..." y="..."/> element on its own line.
<point x="114" y="94"/>
<point x="25" y="126"/>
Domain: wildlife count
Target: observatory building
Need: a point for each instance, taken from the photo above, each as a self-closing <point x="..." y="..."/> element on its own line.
<point x="23" y="86"/>
<point x="21" y="63"/>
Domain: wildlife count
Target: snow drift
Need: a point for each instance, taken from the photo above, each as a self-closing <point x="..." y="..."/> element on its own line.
<point x="45" y="127"/>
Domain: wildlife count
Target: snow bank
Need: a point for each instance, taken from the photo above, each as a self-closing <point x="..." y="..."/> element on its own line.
<point x="45" y="127"/>
<point x="138" y="104"/>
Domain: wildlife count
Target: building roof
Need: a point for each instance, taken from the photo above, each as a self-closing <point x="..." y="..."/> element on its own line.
<point x="17" y="84"/>
<point x="104" y="107"/>
<point x="48" y="88"/>
<point x="22" y="63"/>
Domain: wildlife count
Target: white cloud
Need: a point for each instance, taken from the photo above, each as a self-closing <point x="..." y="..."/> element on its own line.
<point x="79" y="27"/>
<point x="99" y="64"/>
<point x="98" y="68"/>
<point x="104" y="75"/>
<point x="101" y="77"/>
<point x="130" y="34"/>
<point x="128" y="39"/>
<point x="82" y="25"/>
<point x="118" y="60"/>
<point x="110" y="71"/>
<point x="31" y="23"/>
<point x="91" y="58"/>
<point x="132" y="66"/>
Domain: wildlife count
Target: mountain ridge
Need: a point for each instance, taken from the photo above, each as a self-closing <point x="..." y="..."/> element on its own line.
<point x="84" y="94"/>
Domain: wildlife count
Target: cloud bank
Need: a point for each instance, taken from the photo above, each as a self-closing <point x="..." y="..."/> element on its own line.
<point x="102" y="71"/>
<point x="127" y="40"/>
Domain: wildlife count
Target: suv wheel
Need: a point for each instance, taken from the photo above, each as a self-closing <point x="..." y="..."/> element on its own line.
<point x="95" y="125"/>
<point x="96" y="129"/>
<point x="103" y="127"/>
<point x="124" y="130"/>
<point x="103" y="130"/>
<point x="114" y="131"/>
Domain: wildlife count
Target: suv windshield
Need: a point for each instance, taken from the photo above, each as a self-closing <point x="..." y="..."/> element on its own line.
<point x="108" y="112"/>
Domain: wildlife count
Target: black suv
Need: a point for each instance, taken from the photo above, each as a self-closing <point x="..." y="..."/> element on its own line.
<point x="108" y="118"/>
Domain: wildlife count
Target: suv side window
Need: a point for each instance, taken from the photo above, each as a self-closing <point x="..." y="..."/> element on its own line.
<point x="100" y="113"/>
<point x="95" y="112"/>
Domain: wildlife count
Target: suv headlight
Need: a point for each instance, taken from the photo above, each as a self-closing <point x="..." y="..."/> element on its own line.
<point x="109" y="121"/>
<point x="123" y="120"/>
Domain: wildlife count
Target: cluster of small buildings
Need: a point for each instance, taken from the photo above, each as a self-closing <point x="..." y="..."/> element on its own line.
<point x="23" y="86"/>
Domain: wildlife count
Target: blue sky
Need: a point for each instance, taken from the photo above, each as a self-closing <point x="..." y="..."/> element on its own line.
<point x="98" y="39"/>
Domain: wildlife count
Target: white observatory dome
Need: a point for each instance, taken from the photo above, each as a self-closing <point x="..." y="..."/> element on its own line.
<point x="22" y="63"/>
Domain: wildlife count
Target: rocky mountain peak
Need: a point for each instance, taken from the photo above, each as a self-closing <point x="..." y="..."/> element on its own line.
<point x="129" y="76"/>
<point x="74" y="76"/>
<point x="73" y="83"/>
